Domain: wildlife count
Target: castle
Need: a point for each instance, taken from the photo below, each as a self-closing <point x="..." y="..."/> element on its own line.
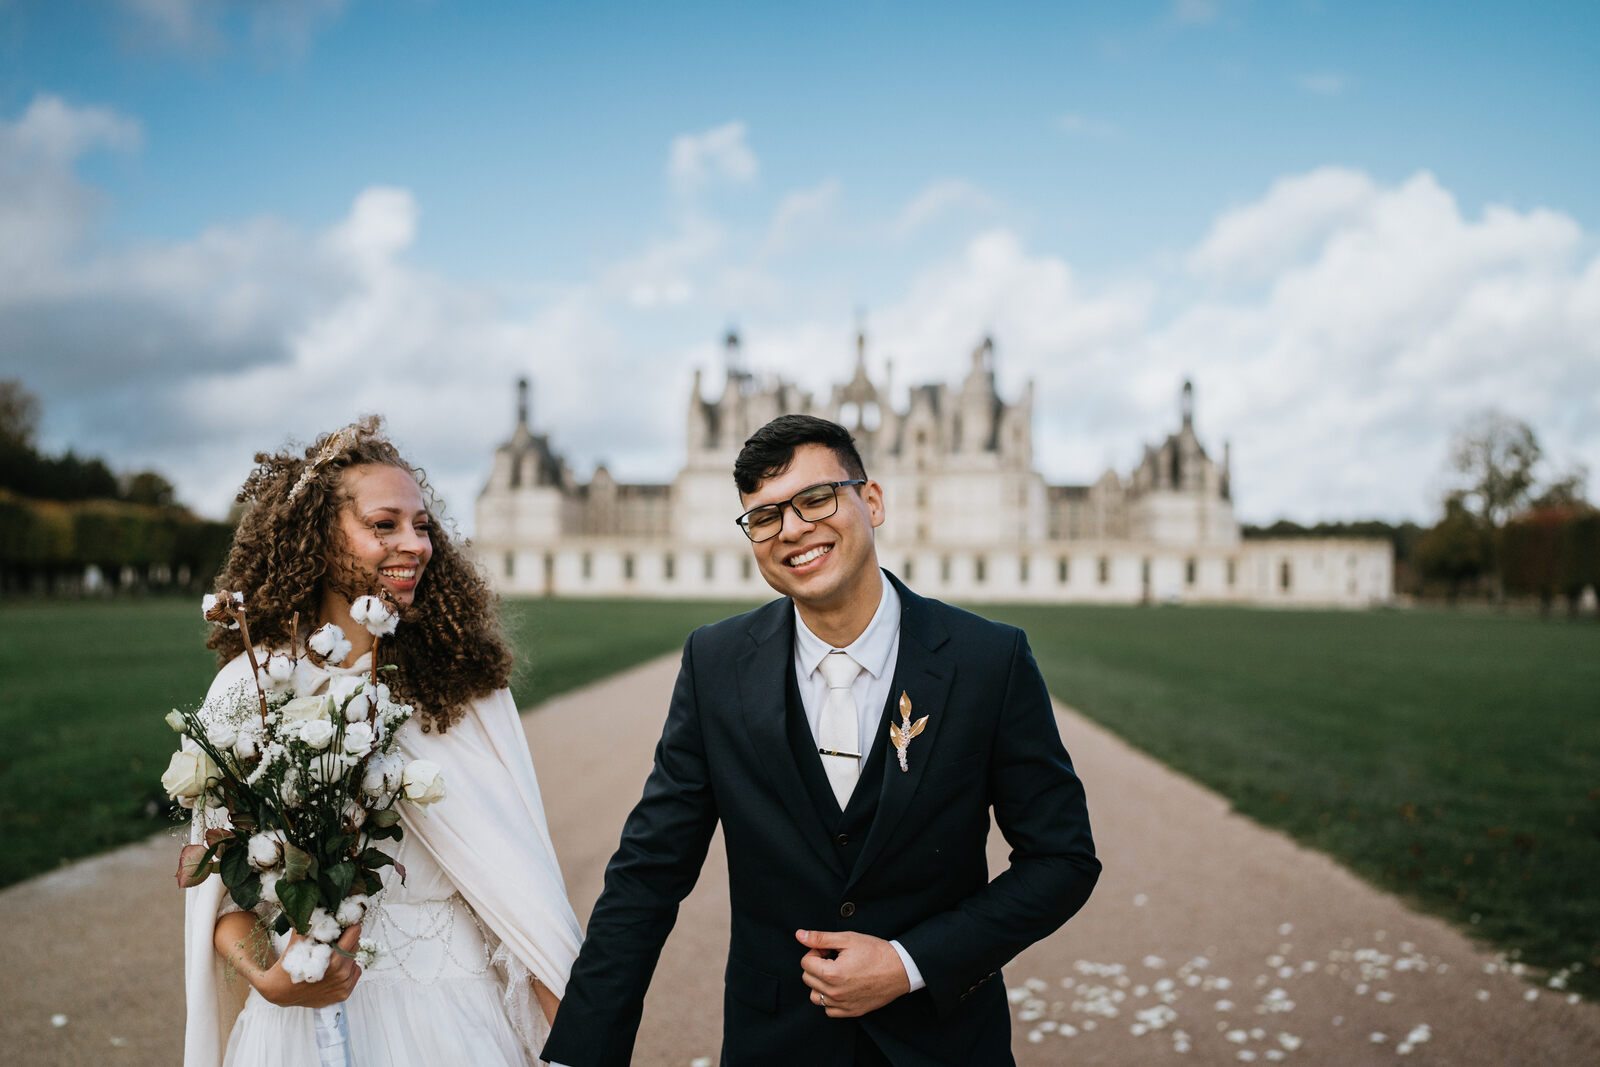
<point x="969" y="518"/>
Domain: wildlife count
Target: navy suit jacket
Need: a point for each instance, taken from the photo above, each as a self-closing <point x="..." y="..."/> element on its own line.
<point x="920" y="875"/>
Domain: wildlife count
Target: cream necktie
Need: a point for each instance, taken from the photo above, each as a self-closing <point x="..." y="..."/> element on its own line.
<point x="838" y="735"/>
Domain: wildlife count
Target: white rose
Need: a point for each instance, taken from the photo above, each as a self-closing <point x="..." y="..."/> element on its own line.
<point x="324" y="927"/>
<point x="266" y="849"/>
<point x="317" y="733"/>
<point x="222" y="734"/>
<point x="358" y="708"/>
<point x="383" y="776"/>
<point x="352" y="908"/>
<point x="176" y="720"/>
<point x="307" y="961"/>
<point x="343" y="686"/>
<point x="422" y="783"/>
<point x="329" y="643"/>
<point x="357" y="739"/>
<point x="187" y="773"/>
<point x="305" y="709"/>
<point x="328" y="767"/>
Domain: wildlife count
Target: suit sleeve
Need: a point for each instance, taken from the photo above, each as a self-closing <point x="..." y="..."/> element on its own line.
<point x="663" y="846"/>
<point x="1040" y="809"/>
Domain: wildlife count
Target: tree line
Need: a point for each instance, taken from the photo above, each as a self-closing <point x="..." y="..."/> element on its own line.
<point x="69" y="522"/>
<point x="1504" y="532"/>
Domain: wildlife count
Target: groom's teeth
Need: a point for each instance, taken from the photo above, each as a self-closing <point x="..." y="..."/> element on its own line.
<point x="806" y="557"/>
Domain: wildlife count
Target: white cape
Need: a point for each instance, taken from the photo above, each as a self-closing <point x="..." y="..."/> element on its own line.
<point x="488" y="834"/>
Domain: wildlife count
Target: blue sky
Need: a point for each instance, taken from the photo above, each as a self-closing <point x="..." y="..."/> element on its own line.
<point x="320" y="207"/>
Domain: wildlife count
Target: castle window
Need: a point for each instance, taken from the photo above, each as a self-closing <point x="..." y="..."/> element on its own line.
<point x="1022" y="570"/>
<point x="1285" y="576"/>
<point x="745" y="568"/>
<point x="1188" y="571"/>
<point x="511" y="565"/>
<point x="1105" y="570"/>
<point x="669" y="566"/>
<point x="1233" y="572"/>
<point x="1061" y="570"/>
<point x="627" y="566"/>
<point x="711" y="565"/>
<point x="906" y="572"/>
<point x="922" y="496"/>
<point x="944" y="569"/>
<point x="588" y="566"/>
<point x="979" y="567"/>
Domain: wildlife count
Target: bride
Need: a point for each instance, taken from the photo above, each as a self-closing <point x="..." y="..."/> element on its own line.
<point x="475" y="945"/>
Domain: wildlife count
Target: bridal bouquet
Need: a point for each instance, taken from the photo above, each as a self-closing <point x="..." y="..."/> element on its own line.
<point x="293" y="792"/>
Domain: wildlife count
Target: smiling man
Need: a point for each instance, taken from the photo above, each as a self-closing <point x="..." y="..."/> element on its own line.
<point x="852" y="738"/>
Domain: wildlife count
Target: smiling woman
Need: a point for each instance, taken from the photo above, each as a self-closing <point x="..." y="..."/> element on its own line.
<point x="342" y="536"/>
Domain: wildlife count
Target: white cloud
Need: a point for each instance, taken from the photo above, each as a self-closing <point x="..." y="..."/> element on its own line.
<point x="799" y="216"/>
<point x="696" y="160"/>
<point x="1251" y="242"/>
<point x="1195" y="12"/>
<point x="1084" y="126"/>
<point x="275" y="26"/>
<point x="1325" y="83"/>
<point x="938" y="199"/>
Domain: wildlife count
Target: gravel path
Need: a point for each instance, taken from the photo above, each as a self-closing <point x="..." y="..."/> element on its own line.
<point x="1208" y="941"/>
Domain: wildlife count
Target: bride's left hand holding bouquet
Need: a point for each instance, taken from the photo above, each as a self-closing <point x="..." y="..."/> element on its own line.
<point x="291" y="793"/>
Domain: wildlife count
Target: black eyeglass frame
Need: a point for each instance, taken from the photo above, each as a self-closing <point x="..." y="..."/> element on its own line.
<point x="743" y="521"/>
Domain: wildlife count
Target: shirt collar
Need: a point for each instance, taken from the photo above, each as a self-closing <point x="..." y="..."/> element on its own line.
<point x="871" y="649"/>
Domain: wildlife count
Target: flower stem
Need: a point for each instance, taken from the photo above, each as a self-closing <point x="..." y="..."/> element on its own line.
<point x="255" y="668"/>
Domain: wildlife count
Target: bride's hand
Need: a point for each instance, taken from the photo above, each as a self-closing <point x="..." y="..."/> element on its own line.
<point x="243" y="943"/>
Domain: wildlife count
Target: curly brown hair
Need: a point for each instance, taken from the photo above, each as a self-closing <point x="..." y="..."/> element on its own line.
<point x="448" y="648"/>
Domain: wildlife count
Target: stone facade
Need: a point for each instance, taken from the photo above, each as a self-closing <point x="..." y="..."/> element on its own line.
<point x="969" y="518"/>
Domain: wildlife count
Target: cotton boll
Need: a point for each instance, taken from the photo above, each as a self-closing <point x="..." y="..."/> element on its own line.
<point x="324" y="927"/>
<point x="351" y="909"/>
<point x="307" y="961"/>
<point x="266" y="849"/>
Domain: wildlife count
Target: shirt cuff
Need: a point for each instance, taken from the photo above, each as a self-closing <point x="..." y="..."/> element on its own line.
<point x="910" y="966"/>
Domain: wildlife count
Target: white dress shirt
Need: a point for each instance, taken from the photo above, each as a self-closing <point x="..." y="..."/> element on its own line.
<point x="876" y="649"/>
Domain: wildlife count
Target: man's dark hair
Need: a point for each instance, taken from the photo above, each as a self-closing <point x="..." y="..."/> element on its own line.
<point x="770" y="450"/>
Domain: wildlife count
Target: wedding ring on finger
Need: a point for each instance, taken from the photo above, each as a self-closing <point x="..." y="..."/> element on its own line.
<point x="822" y="1001"/>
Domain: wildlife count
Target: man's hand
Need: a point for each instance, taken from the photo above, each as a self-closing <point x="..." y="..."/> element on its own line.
<point x="851" y="974"/>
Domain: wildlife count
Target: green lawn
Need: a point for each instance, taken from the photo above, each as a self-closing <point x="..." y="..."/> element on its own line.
<point x="1454" y="759"/>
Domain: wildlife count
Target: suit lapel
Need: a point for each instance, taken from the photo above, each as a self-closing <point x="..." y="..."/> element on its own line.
<point x="763" y="686"/>
<point x="925" y="678"/>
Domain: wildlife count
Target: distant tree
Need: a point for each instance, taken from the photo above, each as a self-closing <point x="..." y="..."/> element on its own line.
<point x="1494" y="456"/>
<point x="1455" y="551"/>
<point x="1565" y="493"/>
<point x="148" y="487"/>
<point x="19" y="415"/>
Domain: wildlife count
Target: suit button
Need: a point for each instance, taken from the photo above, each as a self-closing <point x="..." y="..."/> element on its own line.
<point x="842" y="840"/>
<point x="847" y="909"/>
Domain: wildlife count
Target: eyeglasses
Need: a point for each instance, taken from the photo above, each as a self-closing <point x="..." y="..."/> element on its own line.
<point x="812" y="505"/>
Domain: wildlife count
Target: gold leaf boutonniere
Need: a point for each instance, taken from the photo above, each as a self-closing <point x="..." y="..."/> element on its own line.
<point x="902" y="732"/>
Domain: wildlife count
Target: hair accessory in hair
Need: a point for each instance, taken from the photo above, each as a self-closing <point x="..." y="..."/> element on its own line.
<point x="336" y="443"/>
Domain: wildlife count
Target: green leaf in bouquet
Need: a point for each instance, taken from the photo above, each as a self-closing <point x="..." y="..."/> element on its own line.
<point x="341" y="845"/>
<point x="371" y="884"/>
<point x="299" y="899"/>
<point x="384" y="833"/>
<point x="234" y="864"/>
<point x="386" y="817"/>
<point x="281" y="924"/>
<point x="298" y="864"/>
<point x="373" y="858"/>
<point x="247" y="894"/>
<point x="340" y="875"/>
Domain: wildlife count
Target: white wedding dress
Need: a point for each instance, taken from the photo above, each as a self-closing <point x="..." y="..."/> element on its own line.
<point x="482" y="910"/>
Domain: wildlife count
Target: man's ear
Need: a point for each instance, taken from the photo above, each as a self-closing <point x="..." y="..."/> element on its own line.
<point x="872" y="493"/>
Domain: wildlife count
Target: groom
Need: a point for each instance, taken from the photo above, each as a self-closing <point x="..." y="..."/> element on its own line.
<point x="852" y="738"/>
